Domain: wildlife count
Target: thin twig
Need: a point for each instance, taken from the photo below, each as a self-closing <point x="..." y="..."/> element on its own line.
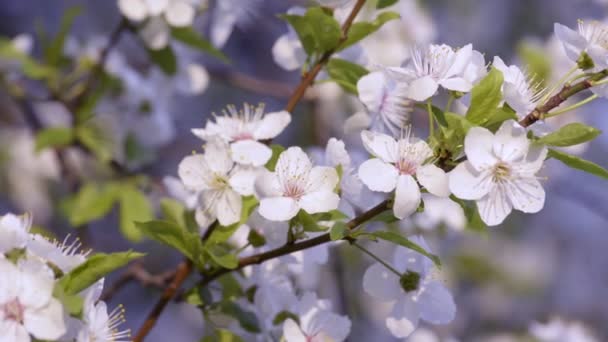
<point x="137" y="273"/>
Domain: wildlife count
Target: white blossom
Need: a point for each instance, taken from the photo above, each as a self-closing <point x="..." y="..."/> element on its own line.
<point x="520" y="91"/>
<point x="415" y="294"/>
<point x="500" y="172"/>
<point x="440" y="210"/>
<point x="558" y="330"/>
<point x="394" y="166"/>
<point x="14" y="232"/>
<point x="591" y="39"/>
<point x="65" y="255"/>
<point x="245" y="130"/>
<point x="228" y="14"/>
<point x="316" y="322"/>
<point x="296" y="185"/>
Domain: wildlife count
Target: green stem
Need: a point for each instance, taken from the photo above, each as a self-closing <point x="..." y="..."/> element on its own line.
<point x="375" y="257"/>
<point x="448" y="106"/>
<point x="558" y="84"/>
<point x="429" y="108"/>
<point x="573" y="107"/>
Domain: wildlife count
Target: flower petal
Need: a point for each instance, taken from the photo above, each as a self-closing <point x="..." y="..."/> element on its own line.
<point x="462" y="58"/>
<point x="135" y="10"/>
<point x="335" y="153"/>
<point x="573" y="42"/>
<point x="494" y="207"/>
<point x="278" y="208"/>
<point x="372" y="90"/>
<point x="293" y="163"/>
<point x="436" y="303"/>
<point x="511" y="142"/>
<point x="155" y="33"/>
<point x="194" y="172"/>
<point x="381" y="283"/>
<point x="156" y="7"/>
<point x="322" y="178"/>
<point x="288" y="53"/>
<point x="378" y="175"/>
<point x="272" y="125"/>
<point x="478" y="148"/>
<point x="250" y="152"/>
<point x="380" y="145"/>
<point x="526" y="194"/>
<point x="224" y="19"/>
<point x="403" y="319"/>
<point x="12" y="331"/>
<point x="319" y="201"/>
<point x="422" y="88"/>
<point x="267" y="184"/>
<point x="456" y="84"/>
<point x="243" y="180"/>
<point x="292" y="332"/>
<point x="468" y="183"/>
<point x="179" y="14"/>
<point x="434" y="179"/>
<point x="46" y="323"/>
<point x="357" y="122"/>
<point x="407" y="197"/>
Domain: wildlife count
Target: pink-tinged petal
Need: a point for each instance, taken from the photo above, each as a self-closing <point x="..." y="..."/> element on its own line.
<point x="436" y="303"/>
<point x="272" y="125"/>
<point x="381" y="283"/>
<point x="407" y="197"/>
<point x="250" y="152"/>
<point x="434" y="179"/>
<point x="10" y="281"/>
<point x="319" y="201"/>
<point x="372" y="90"/>
<point x="228" y="207"/>
<point x="179" y="13"/>
<point x="278" y="208"/>
<point x="380" y="145"/>
<point x="468" y="183"/>
<point x="46" y="323"/>
<point x="292" y="332"/>
<point x="422" y="88"/>
<point x="378" y="175"/>
<point x="403" y="319"/>
<point x="494" y="207"/>
<point x="478" y="148"/>
<point x="526" y="194"/>
<point x="511" y="142"/>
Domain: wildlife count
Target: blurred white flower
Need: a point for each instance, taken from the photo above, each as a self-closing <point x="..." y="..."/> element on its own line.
<point x="228" y="14"/>
<point x="416" y="295"/>
<point x="316" y="322"/>
<point x="395" y="164"/>
<point x="500" y="172"/>
<point x="296" y="185"/>
<point x="590" y="39"/>
<point x="558" y="330"/>
<point x="440" y="210"/>
<point x="14" y="231"/>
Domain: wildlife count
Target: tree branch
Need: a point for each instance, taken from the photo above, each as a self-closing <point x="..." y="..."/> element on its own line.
<point x="137" y="272"/>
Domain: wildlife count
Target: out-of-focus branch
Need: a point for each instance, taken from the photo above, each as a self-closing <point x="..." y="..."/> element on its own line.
<point x="137" y="273"/>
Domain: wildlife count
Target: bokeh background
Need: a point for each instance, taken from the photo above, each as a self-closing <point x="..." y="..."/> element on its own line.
<point x="532" y="268"/>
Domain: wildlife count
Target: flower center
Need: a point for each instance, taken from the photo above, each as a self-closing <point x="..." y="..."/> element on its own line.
<point x="410" y="281"/>
<point x="501" y="172"/>
<point x="13" y="310"/>
<point x="219" y="182"/>
<point x="406" y="167"/>
<point x="293" y="189"/>
<point x="242" y="136"/>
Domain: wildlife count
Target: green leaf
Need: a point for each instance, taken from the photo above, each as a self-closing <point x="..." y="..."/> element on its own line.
<point x="175" y="236"/>
<point x="54" y="52"/>
<point x="578" y="163"/>
<point x="276" y="152"/>
<point x="134" y="206"/>
<point x="386" y="216"/>
<point x="439" y="116"/>
<point x="571" y="134"/>
<point x="247" y="319"/>
<point x="362" y="29"/>
<point x="255" y="239"/>
<point x="222" y="234"/>
<point x="536" y="60"/>
<point x="188" y="36"/>
<point x="165" y="59"/>
<point x="176" y="212"/>
<point x="93" y="201"/>
<point x="93" y="138"/>
<point x="499" y="116"/>
<point x="405" y="242"/>
<point x="231" y="288"/>
<point x="30" y="67"/>
<point x="318" y="30"/>
<point x="338" y="231"/>
<point x="222" y="256"/>
<point x="73" y="304"/>
<point x="94" y="268"/>
<point x="222" y="335"/>
<point x="54" y="137"/>
<point x="471" y="212"/>
<point x="345" y="73"/>
<point x="485" y="97"/>
<point x="283" y="316"/>
<point x="385" y="3"/>
<point x="308" y="222"/>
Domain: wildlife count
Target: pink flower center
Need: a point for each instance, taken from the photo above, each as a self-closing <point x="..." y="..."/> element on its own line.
<point x="293" y="190"/>
<point x="406" y="167"/>
<point x="13" y="310"/>
<point x="242" y="136"/>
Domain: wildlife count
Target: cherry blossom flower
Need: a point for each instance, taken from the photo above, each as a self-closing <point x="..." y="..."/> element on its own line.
<point x="500" y="172"/>
<point x="394" y="166"/>
<point x="440" y="210"/>
<point x="26" y="302"/>
<point x="296" y="185"/>
<point x="99" y="325"/>
<point x="244" y="130"/>
<point x="519" y="90"/>
<point x="14" y="231"/>
<point x="65" y="255"/>
<point x="386" y="102"/>
<point x="591" y="39"/>
<point x="316" y="322"/>
<point x="434" y="66"/>
<point x="219" y="184"/>
<point x="415" y="294"/>
<point x="557" y="330"/>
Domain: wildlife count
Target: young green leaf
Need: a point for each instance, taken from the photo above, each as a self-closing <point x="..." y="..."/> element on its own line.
<point x="222" y="257"/>
<point x="308" y="222"/>
<point x="345" y="73"/>
<point x="318" y="30"/>
<point x="276" y="152"/>
<point x="571" y="134"/>
<point x="29" y="66"/>
<point x="173" y="235"/>
<point x="485" y="97"/>
<point x="405" y="242"/>
<point x="578" y="163"/>
<point x="222" y="335"/>
<point x="134" y="206"/>
<point x="256" y="239"/>
<point x="91" y="136"/>
<point x="92" y="202"/>
<point x="96" y="267"/>
<point x="54" y="137"/>
<point x="385" y="3"/>
<point x="362" y="29"/>
<point x="54" y="52"/>
<point x="165" y="59"/>
<point x="188" y="36"/>
<point x="338" y="231"/>
<point x="73" y="304"/>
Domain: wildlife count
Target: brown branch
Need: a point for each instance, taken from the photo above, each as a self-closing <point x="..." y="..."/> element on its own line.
<point x="137" y="272"/>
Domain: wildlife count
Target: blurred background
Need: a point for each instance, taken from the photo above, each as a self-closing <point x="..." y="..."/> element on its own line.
<point x="531" y="269"/>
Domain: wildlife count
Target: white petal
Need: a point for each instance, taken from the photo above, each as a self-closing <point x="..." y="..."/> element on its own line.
<point x="372" y="90"/>
<point x="156" y="7"/>
<point x="288" y="53"/>
<point x="250" y="152"/>
<point x="243" y="180"/>
<point x="462" y="58"/>
<point x="378" y="175"/>
<point x="10" y="277"/>
<point x="422" y="88"/>
<point x="12" y="331"/>
<point x="293" y="163"/>
<point x="535" y="158"/>
<point x="434" y="179"/>
<point x="46" y="323"/>
<point x="407" y="197"/>
<point x="494" y="207"/>
<point x="333" y="327"/>
<point x="335" y="153"/>
<point x="319" y="201"/>
<point x="193" y="80"/>
<point x="179" y="14"/>
<point x="217" y="156"/>
<point x="381" y="283"/>
<point x="380" y="145"/>
<point x="478" y="148"/>
<point x="135" y="10"/>
<point x="204" y="218"/>
<point x="573" y="42"/>
<point x="436" y="304"/>
<point x="267" y="184"/>
<point x="511" y="142"/>
<point x="223" y="24"/>
<point x="272" y="125"/>
<point x="468" y="183"/>
<point x="292" y="332"/>
<point x="456" y="84"/>
<point x="278" y="208"/>
<point x="155" y="33"/>
<point x="357" y="122"/>
<point x="526" y="194"/>
<point x="322" y="178"/>
<point x="36" y="288"/>
<point x="403" y="319"/>
<point x="228" y="207"/>
<point x="194" y="172"/>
